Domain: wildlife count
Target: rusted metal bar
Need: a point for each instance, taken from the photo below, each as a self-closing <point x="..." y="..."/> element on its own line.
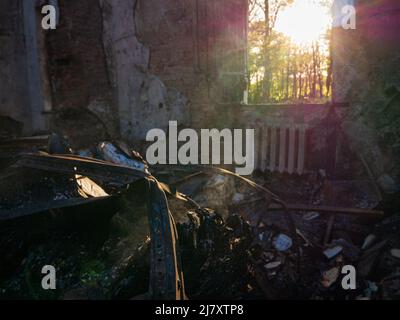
<point x="166" y="277"/>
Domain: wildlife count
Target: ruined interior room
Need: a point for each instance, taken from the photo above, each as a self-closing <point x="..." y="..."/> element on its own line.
<point x="109" y="179"/>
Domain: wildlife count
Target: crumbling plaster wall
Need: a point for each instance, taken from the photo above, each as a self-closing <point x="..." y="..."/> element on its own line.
<point x="367" y="76"/>
<point x="143" y="100"/>
<point x="169" y="29"/>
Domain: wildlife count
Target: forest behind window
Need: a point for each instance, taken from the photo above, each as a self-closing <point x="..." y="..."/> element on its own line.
<point x="289" y="51"/>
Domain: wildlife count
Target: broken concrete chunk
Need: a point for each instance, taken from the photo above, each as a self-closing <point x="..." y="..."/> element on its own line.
<point x="333" y="252"/>
<point x="368" y="242"/>
<point x="110" y="152"/>
<point x="283" y="242"/>
<point x="329" y="277"/>
<point x="395" y="253"/>
<point x="350" y="251"/>
<point x="272" y="265"/>
<point x="89" y="187"/>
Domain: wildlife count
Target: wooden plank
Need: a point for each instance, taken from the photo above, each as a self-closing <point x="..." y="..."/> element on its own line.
<point x="282" y="148"/>
<point x="272" y="152"/>
<point x="302" y="144"/>
<point x="370" y="213"/>
<point x="292" y="144"/>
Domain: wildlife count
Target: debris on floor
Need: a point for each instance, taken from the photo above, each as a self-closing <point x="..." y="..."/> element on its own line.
<point x="117" y="228"/>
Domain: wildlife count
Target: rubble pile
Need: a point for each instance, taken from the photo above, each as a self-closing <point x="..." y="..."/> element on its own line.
<point x="215" y="256"/>
<point x="113" y="229"/>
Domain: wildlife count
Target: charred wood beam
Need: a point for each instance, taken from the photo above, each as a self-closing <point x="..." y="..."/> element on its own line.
<point x="340" y="210"/>
<point x="83" y="166"/>
<point x="369" y="213"/>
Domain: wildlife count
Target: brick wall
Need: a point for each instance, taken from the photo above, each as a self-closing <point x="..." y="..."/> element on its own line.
<point x="13" y="88"/>
<point x="77" y="62"/>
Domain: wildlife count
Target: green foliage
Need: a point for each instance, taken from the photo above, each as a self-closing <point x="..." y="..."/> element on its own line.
<point x="279" y="70"/>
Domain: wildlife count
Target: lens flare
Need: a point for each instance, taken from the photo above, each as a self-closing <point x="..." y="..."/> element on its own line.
<point x="304" y="22"/>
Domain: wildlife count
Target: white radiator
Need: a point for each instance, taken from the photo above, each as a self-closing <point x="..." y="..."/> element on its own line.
<point x="281" y="147"/>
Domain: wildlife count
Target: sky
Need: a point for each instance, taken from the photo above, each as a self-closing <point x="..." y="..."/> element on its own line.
<point x="304" y="22"/>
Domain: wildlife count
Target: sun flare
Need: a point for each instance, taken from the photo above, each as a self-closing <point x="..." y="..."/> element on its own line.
<point x="304" y="22"/>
